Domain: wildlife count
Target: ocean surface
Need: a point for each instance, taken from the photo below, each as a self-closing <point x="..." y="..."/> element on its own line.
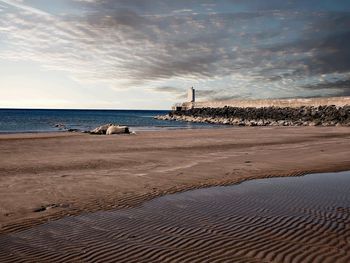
<point x="23" y="120"/>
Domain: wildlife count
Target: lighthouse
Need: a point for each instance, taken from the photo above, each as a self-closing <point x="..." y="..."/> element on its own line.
<point x="191" y="97"/>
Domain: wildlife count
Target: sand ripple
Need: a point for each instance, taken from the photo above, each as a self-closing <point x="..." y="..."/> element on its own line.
<point x="296" y="219"/>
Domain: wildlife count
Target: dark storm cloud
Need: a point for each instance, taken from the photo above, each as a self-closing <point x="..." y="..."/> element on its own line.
<point x="116" y="18"/>
<point x="299" y="5"/>
<point x="187" y="45"/>
<point x="328" y="54"/>
<point x="222" y="5"/>
<point x="206" y="50"/>
<point x="343" y="86"/>
<point x="236" y="48"/>
<point x="201" y="51"/>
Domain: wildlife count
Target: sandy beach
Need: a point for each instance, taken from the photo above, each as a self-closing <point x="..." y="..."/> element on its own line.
<point x="47" y="176"/>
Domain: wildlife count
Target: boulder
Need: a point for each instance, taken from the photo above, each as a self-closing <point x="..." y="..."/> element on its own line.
<point x="117" y="130"/>
<point x="102" y="129"/>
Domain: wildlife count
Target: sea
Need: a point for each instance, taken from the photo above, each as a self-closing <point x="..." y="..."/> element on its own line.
<point x="47" y="120"/>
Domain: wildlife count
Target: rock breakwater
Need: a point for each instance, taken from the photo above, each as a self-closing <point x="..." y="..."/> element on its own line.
<point x="265" y="116"/>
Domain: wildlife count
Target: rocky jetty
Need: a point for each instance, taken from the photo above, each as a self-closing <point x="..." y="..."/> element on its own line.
<point x="265" y="116"/>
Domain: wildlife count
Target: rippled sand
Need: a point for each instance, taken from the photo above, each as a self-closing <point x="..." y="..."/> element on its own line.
<point x="292" y="219"/>
<point x="47" y="176"/>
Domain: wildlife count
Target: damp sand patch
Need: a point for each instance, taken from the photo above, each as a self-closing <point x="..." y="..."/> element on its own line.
<point x="289" y="219"/>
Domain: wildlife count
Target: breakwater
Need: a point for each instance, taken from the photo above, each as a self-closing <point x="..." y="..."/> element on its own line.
<point x="329" y="115"/>
<point x="260" y="103"/>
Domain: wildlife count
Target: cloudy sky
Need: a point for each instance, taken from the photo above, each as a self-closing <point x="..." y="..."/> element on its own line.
<point x="146" y="53"/>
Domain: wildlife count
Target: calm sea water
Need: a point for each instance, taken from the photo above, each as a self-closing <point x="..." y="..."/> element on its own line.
<point x="14" y="121"/>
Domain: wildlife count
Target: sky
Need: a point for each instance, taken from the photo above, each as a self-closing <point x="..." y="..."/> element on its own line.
<point x="145" y="54"/>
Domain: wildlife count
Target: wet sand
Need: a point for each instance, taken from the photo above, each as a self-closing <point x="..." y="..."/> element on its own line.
<point x="291" y="219"/>
<point x="48" y="176"/>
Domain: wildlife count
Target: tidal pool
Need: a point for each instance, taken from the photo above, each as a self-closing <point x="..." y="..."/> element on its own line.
<point x="289" y="219"/>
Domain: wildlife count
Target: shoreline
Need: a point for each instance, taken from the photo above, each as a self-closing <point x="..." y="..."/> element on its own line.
<point x="135" y="129"/>
<point x="152" y="164"/>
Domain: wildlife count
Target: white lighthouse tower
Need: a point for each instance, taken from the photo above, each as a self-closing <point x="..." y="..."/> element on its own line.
<point x="191" y="97"/>
<point x="189" y="104"/>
